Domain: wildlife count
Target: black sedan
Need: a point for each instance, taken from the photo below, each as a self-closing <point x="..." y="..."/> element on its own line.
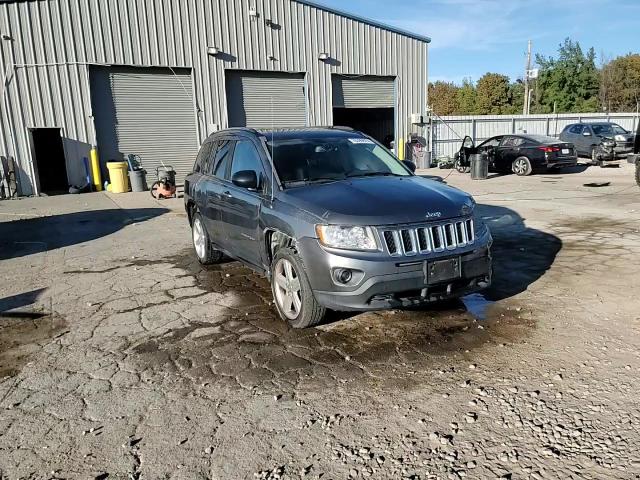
<point x="521" y="154"/>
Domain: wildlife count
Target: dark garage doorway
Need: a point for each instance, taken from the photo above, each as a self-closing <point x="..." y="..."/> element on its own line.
<point x="375" y="122"/>
<point x="49" y="160"/>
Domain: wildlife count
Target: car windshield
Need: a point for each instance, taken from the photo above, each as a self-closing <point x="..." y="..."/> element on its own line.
<point x="608" y="129"/>
<point x="326" y="159"/>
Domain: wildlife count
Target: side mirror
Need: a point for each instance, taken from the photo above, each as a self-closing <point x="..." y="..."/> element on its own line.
<point x="586" y="134"/>
<point x="245" y="179"/>
<point x="410" y="165"/>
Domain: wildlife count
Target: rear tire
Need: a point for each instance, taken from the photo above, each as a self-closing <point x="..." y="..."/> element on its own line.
<point x="521" y="166"/>
<point x="292" y="292"/>
<point x="205" y="252"/>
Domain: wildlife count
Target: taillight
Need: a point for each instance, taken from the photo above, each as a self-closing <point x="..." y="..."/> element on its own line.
<point x="549" y="149"/>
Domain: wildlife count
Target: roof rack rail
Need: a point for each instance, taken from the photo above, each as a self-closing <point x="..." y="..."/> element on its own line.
<point x="342" y="127"/>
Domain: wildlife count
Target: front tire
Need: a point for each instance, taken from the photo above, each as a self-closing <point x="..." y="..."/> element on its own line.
<point x="638" y="172"/>
<point x="206" y="254"/>
<point x="521" y="166"/>
<point x="292" y="292"/>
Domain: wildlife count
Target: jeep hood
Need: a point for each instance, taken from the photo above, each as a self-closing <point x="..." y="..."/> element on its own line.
<point x="379" y="200"/>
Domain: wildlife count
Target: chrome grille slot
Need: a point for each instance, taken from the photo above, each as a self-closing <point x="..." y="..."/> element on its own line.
<point x="410" y="241"/>
<point x="437" y="234"/>
<point x="390" y="242"/>
<point x="449" y="236"/>
<point x="423" y="240"/>
<point x="469" y="226"/>
<point x="408" y="244"/>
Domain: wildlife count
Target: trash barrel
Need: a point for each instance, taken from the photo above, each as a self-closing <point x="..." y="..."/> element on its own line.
<point x="118" y="176"/>
<point x="138" y="180"/>
<point x="479" y="166"/>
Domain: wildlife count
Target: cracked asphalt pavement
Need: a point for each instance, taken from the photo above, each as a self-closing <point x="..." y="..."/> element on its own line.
<point x="121" y="357"/>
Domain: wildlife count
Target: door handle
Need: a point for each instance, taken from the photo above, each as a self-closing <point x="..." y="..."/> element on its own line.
<point x="227" y="194"/>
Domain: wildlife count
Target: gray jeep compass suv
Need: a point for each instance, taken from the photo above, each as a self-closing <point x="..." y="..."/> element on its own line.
<point x="339" y="223"/>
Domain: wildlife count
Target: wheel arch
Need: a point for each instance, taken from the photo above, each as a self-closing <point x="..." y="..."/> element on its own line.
<point x="274" y="240"/>
<point x="191" y="209"/>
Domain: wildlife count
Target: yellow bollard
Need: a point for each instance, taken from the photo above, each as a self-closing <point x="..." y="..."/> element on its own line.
<point x="95" y="170"/>
<point x="401" y="148"/>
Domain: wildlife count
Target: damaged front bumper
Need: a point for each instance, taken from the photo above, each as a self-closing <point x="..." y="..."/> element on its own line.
<point x="392" y="282"/>
<point x="609" y="154"/>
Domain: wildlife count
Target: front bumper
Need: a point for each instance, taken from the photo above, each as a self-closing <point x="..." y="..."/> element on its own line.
<point x="613" y="155"/>
<point x="392" y="282"/>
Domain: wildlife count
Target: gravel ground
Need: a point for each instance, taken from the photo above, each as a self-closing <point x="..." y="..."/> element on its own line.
<point x="121" y="357"/>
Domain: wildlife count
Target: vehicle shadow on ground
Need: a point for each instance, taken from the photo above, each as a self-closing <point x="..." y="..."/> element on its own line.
<point x="20" y="300"/>
<point x="29" y="236"/>
<point x="521" y="254"/>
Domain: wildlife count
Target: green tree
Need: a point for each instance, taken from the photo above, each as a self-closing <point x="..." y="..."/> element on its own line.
<point x="516" y="98"/>
<point x="467" y="98"/>
<point x="492" y="94"/>
<point x="443" y="98"/>
<point x="571" y="81"/>
<point x="620" y="84"/>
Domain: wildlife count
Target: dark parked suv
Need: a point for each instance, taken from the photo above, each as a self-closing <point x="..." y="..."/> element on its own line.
<point x="340" y="223"/>
<point x="604" y="142"/>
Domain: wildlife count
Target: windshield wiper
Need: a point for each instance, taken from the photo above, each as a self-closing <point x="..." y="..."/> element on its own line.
<point x="308" y="181"/>
<point x="374" y="174"/>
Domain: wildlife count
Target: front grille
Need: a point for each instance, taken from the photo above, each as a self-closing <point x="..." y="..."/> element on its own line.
<point x="429" y="239"/>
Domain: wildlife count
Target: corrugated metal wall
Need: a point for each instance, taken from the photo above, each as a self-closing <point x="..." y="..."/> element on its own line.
<point x="53" y="41"/>
<point x="448" y="131"/>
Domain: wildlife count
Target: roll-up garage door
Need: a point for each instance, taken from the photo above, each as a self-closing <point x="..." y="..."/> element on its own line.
<point x="147" y="112"/>
<point x="363" y="92"/>
<point x="266" y="99"/>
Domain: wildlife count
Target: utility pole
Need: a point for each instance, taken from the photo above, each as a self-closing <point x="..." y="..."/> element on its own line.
<point x="525" y="108"/>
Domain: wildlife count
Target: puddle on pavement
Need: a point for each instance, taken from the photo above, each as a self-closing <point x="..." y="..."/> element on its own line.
<point x="23" y="333"/>
<point x="254" y="344"/>
<point x="477" y="305"/>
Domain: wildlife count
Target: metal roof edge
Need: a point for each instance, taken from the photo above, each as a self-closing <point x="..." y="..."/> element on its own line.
<point x="358" y="18"/>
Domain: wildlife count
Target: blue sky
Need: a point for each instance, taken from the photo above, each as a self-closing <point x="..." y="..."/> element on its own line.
<point x="472" y="37"/>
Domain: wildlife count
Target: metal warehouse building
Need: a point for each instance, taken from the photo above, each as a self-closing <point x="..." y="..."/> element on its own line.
<point x="155" y="77"/>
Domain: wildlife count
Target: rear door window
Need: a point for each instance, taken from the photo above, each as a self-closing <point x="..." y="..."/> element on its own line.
<point x="492" y="142"/>
<point x="222" y="159"/>
<point x="508" y="142"/>
<point x="577" y="129"/>
<point x="203" y="158"/>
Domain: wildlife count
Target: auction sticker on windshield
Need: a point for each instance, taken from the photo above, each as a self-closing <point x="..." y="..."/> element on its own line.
<point x="362" y="140"/>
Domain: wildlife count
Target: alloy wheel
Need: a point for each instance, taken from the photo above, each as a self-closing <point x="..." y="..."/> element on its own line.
<point x="520" y="166"/>
<point x="199" y="238"/>
<point x="287" y="289"/>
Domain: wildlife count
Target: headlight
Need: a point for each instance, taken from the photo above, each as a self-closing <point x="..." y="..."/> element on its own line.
<point x="468" y="207"/>
<point x="621" y="138"/>
<point x="348" y="238"/>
